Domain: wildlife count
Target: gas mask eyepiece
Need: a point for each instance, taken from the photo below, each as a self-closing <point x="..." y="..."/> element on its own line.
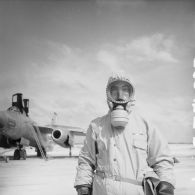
<point x="120" y="94"/>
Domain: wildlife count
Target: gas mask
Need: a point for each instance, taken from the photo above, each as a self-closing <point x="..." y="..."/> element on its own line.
<point x="120" y="93"/>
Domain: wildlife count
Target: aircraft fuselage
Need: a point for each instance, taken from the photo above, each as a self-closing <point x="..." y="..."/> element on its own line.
<point x="16" y="125"/>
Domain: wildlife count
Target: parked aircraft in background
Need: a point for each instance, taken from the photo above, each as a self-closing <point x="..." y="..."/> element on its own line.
<point x="63" y="132"/>
<point x="17" y="130"/>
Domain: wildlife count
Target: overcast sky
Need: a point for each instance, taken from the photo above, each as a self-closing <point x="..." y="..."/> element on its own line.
<point x="59" y="54"/>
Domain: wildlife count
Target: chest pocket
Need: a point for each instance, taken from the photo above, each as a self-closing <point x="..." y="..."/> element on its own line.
<point x="140" y="147"/>
<point x="140" y="142"/>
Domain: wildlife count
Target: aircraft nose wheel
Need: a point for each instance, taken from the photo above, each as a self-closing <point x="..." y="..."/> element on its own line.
<point x="20" y="154"/>
<point x="23" y="154"/>
<point x="17" y="154"/>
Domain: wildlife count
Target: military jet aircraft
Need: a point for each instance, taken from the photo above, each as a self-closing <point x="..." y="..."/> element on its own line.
<point x="17" y="130"/>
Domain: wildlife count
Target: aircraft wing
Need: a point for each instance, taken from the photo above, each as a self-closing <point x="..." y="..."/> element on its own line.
<point x="45" y="130"/>
<point x="74" y="130"/>
<point x="65" y="136"/>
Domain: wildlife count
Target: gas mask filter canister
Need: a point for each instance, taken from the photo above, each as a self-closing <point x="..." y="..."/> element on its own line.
<point x="120" y="94"/>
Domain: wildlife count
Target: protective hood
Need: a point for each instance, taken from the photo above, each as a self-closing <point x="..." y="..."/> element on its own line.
<point x="114" y="79"/>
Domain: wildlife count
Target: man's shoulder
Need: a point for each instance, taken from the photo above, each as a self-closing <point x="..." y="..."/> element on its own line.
<point x="139" y="116"/>
<point x="99" y="120"/>
<point x="142" y="119"/>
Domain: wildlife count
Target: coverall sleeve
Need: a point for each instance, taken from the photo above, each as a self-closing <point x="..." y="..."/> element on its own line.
<point x="86" y="161"/>
<point x="159" y="156"/>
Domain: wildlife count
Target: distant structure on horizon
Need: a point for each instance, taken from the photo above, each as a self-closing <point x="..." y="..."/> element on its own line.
<point x="193" y="105"/>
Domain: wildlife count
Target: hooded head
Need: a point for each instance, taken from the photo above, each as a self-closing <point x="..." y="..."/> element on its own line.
<point x="120" y="98"/>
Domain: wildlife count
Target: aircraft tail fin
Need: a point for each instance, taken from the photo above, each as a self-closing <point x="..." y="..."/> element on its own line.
<point x="54" y="118"/>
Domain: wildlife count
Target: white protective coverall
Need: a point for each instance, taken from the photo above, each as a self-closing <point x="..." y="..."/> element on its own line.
<point x="122" y="156"/>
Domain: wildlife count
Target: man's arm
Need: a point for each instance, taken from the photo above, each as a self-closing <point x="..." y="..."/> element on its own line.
<point x="86" y="161"/>
<point x="161" y="160"/>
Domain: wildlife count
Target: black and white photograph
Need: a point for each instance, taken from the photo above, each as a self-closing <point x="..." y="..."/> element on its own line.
<point x="97" y="97"/>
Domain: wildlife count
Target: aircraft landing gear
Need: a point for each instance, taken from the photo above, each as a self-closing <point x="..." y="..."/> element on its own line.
<point x="20" y="153"/>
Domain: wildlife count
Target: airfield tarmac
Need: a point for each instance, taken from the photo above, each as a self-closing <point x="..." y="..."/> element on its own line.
<point x="34" y="176"/>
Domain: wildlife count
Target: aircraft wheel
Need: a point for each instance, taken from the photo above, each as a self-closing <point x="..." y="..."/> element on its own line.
<point x="17" y="154"/>
<point x="23" y="154"/>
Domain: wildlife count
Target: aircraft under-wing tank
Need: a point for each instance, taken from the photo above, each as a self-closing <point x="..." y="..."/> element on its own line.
<point x="18" y="129"/>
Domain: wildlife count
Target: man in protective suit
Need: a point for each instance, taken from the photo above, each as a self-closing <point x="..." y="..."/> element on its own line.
<point x="122" y="153"/>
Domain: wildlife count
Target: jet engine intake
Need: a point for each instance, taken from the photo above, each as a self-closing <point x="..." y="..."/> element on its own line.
<point x="60" y="138"/>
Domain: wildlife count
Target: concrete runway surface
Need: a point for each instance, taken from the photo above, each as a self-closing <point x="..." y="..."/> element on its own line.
<point x="35" y="176"/>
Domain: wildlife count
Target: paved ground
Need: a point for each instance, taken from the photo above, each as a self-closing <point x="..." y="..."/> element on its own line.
<point x="36" y="177"/>
<point x="185" y="176"/>
<point x="56" y="176"/>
